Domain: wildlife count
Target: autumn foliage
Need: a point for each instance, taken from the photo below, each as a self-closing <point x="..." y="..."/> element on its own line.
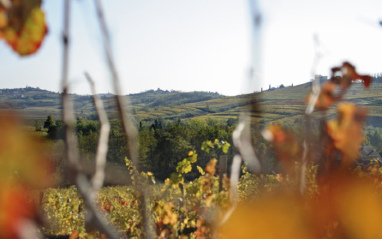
<point x="24" y="167"/>
<point x="22" y="25"/>
<point x="311" y="197"/>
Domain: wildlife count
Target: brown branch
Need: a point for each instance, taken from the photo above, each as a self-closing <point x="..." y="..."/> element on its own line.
<point x="234" y="182"/>
<point x="94" y="218"/>
<point x="315" y="92"/>
<point x="28" y="229"/>
<point x="68" y="115"/>
<point x="124" y="112"/>
<point x="242" y="135"/>
<point x="102" y="147"/>
<point x="241" y="138"/>
<point x="6" y="3"/>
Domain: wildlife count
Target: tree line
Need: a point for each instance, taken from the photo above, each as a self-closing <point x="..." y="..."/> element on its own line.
<point x="161" y="144"/>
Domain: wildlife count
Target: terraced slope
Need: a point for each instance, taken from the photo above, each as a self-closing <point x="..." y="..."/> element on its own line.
<point x="285" y="104"/>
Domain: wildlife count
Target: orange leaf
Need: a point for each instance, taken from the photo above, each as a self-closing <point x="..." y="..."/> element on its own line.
<point x="28" y="40"/>
<point x="74" y="235"/>
<point x="346" y="131"/>
<point x="359" y="211"/>
<point x="210" y="168"/>
<point x="285" y="144"/>
<point x="14" y="208"/>
<point x="341" y="79"/>
<point x="3" y="19"/>
<point x="327" y="96"/>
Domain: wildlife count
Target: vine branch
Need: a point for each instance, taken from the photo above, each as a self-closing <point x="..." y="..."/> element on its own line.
<point x="124" y="113"/>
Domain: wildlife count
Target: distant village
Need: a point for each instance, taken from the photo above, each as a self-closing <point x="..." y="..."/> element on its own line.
<point x="377" y="78"/>
<point x="317" y="77"/>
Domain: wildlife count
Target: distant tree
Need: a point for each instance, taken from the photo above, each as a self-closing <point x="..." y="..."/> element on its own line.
<point x="282" y="86"/>
<point x="56" y="131"/>
<point x="38" y="126"/>
<point x="232" y="122"/>
<point x="49" y="122"/>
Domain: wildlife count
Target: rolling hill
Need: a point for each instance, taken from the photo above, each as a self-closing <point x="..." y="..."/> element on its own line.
<point x="286" y="104"/>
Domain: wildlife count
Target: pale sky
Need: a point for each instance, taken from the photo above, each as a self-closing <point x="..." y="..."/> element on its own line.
<point x="202" y="45"/>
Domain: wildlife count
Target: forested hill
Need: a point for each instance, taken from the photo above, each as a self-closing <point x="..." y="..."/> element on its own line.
<point x="281" y="104"/>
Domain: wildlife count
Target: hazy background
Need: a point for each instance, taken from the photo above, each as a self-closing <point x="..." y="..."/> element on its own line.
<point x="201" y="45"/>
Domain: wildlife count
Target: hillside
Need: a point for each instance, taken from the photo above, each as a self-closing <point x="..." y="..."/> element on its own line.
<point x="285" y="104"/>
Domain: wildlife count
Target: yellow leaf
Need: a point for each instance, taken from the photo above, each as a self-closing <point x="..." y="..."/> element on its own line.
<point x="360" y="211"/>
<point x="28" y="39"/>
<point x="275" y="217"/>
<point x="3" y="19"/>
<point x="201" y="171"/>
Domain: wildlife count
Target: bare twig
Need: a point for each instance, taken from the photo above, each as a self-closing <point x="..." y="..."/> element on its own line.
<point x="234" y="182"/>
<point x="127" y="124"/>
<point x="303" y="167"/>
<point x="316" y="82"/>
<point x="28" y="229"/>
<point x="72" y="154"/>
<point x="102" y="147"/>
<point x="68" y="115"/>
<point x="94" y="217"/>
<point x="6" y="3"/>
<point x="242" y="141"/>
<point x="124" y="112"/>
<point x="256" y="22"/>
<point x="242" y="135"/>
<point x="235" y="176"/>
<point x="316" y="89"/>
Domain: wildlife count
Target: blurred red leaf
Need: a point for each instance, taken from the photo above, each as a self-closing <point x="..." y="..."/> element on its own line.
<point x="23" y="166"/>
<point x="349" y="71"/>
<point x="14" y="208"/>
<point x="341" y="79"/>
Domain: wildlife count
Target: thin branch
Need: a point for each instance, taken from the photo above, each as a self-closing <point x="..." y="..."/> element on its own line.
<point x="127" y="124"/>
<point x="6" y="3"/>
<point x="68" y="115"/>
<point x="241" y="138"/>
<point x="235" y="176"/>
<point x="242" y="134"/>
<point x="234" y="182"/>
<point x="256" y="22"/>
<point x="94" y="217"/>
<point x="316" y="89"/>
<point x="303" y="167"/>
<point x="124" y="113"/>
<point x="102" y="147"/>
<point x="28" y="229"/>
<point x="72" y="154"/>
